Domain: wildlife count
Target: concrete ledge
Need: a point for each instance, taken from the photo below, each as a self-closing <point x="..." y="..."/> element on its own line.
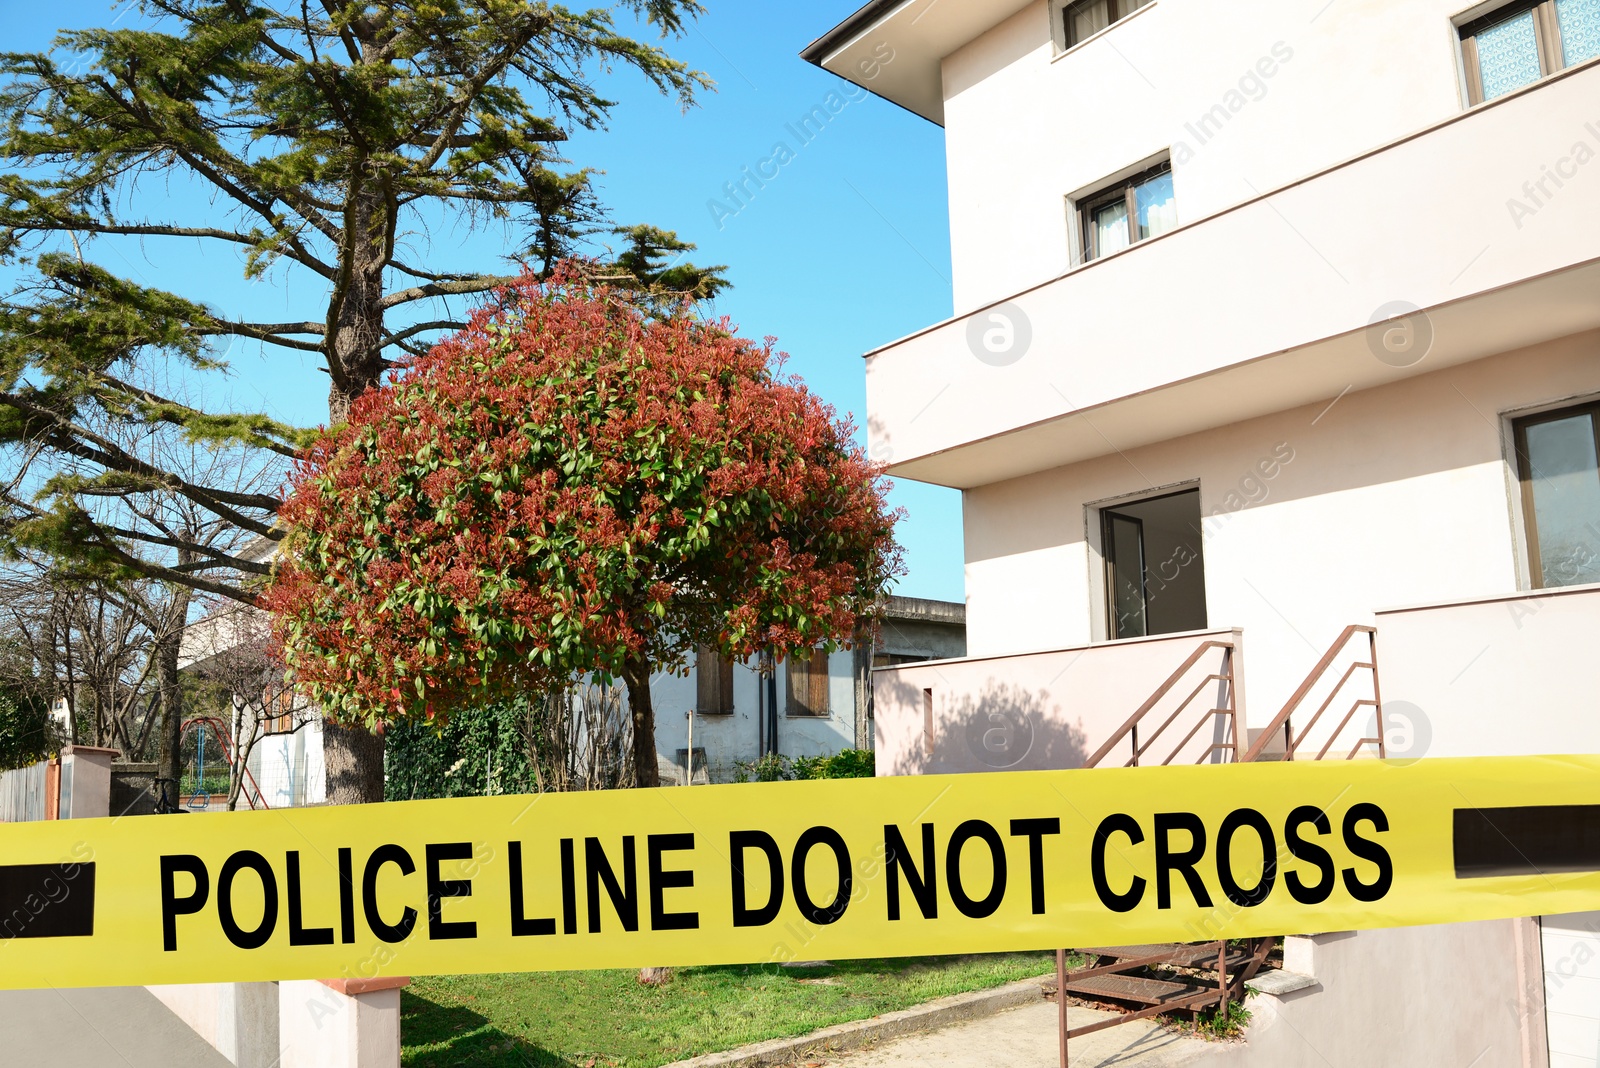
<point x="1277" y="982"/>
<point x="930" y="1016"/>
<point x="353" y="987"/>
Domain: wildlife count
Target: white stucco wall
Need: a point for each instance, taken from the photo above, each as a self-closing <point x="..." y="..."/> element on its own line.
<point x="1447" y="994"/>
<point x="289" y="768"/>
<point x="1397" y="495"/>
<point x="1025" y="128"/>
<point x="1502" y="676"/>
<point x="1047" y="710"/>
<point x="736" y="737"/>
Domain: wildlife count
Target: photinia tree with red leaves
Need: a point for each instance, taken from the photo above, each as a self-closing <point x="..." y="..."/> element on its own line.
<point x="569" y="485"/>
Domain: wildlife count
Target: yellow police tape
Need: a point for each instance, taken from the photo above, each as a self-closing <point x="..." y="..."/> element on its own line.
<point x="781" y="871"/>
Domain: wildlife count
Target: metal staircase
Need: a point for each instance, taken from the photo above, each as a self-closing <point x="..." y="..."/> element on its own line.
<point x="1148" y="980"/>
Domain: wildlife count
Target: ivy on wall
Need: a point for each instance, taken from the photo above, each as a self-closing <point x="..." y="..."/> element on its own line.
<point x="477" y="752"/>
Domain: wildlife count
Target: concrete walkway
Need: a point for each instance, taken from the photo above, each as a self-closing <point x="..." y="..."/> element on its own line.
<point x="1026" y="1038"/>
<point x="98" y="1027"/>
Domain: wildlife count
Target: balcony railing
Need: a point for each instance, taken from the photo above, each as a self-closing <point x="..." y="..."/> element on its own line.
<point x="1504" y="674"/>
<point x="1053" y="709"/>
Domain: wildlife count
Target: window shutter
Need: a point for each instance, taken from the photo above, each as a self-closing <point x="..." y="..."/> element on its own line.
<point x="713" y="683"/>
<point x="819" y="684"/>
<point x="794" y="696"/>
<point x="808" y="684"/>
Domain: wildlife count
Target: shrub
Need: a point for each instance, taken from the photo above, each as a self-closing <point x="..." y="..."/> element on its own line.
<point x="775" y="767"/>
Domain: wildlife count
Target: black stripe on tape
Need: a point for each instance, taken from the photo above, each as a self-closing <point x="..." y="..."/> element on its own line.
<point x="46" y="900"/>
<point x="1526" y="840"/>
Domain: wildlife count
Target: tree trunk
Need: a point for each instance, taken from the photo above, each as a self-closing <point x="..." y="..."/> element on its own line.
<point x="354" y="759"/>
<point x="355" y="317"/>
<point x="636" y="677"/>
<point x="170" y="688"/>
<point x="353" y="756"/>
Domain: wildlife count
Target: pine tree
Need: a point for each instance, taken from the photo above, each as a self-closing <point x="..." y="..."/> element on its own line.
<point x="320" y="130"/>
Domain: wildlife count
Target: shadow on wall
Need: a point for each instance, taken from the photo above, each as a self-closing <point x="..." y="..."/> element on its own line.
<point x="1004" y="728"/>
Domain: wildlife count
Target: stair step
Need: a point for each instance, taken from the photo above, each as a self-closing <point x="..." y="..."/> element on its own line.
<point x="1132" y="988"/>
<point x="1173" y="954"/>
<point x="1150" y="949"/>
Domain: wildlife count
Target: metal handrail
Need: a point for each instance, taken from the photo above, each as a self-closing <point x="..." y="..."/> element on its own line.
<point x="1282" y="721"/>
<point x="1131" y="725"/>
<point x="1139" y="750"/>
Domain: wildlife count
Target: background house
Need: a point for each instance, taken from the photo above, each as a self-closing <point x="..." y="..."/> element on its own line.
<point x="824" y="704"/>
<point x="809" y="707"/>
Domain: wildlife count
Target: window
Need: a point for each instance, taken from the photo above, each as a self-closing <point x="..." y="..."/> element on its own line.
<point x="1078" y="20"/>
<point x="1520" y="43"/>
<point x="807" y="680"/>
<point x="1135" y="208"/>
<point x="278" y="711"/>
<point x="1155" y="567"/>
<point x="1559" y="463"/>
<point x="713" y="677"/>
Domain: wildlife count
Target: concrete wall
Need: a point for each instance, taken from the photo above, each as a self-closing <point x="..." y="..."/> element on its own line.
<point x="1447" y="995"/>
<point x="1272" y="92"/>
<point x="1512" y="675"/>
<point x="85" y="781"/>
<point x="1263" y="306"/>
<point x="133" y="789"/>
<point x="933" y="630"/>
<point x="339" y="1023"/>
<point x="1571" y="945"/>
<point x="306" y="1023"/>
<point x="1031" y="711"/>
<point x="238" y="1020"/>
<point x="1314" y="517"/>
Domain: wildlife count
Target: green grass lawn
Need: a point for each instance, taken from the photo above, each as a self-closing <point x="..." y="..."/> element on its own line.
<point x="605" y="1018"/>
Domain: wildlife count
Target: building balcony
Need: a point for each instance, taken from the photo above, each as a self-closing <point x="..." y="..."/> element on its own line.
<point x="1475" y="236"/>
<point x="1501" y="675"/>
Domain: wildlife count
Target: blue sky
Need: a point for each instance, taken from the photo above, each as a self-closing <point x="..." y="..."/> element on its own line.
<point x="846" y="248"/>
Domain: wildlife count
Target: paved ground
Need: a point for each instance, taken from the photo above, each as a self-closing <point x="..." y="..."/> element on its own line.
<point x="97" y="1027"/>
<point x="1026" y="1038"/>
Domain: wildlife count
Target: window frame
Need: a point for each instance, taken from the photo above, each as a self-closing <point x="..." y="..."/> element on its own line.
<point x="705" y="693"/>
<point x="283" y="722"/>
<point x="1108" y="519"/>
<point x="1546" y="34"/>
<point x="1102" y="565"/>
<point x="807" y="666"/>
<point x="1117" y="11"/>
<point x="1122" y="189"/>
<point x="1519" y="440"/>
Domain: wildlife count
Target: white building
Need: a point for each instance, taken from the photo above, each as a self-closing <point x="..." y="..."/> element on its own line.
<point x="283" y="737"/>
<point x="804" y="708"/>
<point x="1272" y="320"/>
